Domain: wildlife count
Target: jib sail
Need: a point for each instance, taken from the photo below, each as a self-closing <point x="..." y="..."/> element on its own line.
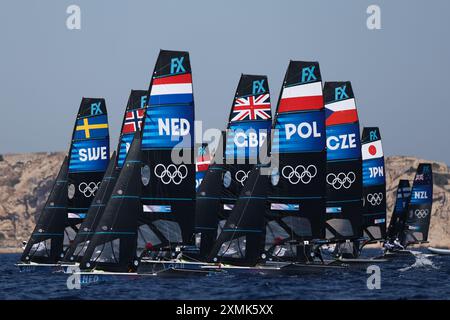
<point x="374" y="185"/>
<point x="248" y="127"/>
<point x="398" y="217"/>
<point x="46" y="242"/>
<point x="89" y="158"/>
<point x="208" y="203"/>
<point x="113" y="245"/>
<point x="168" y="173"/>
<point x="87" y="228"/>
<point x="242" y="238"/>
<point x="419" y="207"/>
<point x="344" y="163"/>
<point x="297" y="189"/>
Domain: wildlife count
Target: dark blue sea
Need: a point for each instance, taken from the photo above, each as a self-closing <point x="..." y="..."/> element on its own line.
<point x="422" y="276"/>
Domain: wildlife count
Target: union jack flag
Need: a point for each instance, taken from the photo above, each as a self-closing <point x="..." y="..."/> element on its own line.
<point x="133" y="120"/>
<point x="252" y="108"/>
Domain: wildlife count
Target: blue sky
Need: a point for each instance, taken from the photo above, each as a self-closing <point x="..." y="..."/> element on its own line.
<point x="399" y="73"/>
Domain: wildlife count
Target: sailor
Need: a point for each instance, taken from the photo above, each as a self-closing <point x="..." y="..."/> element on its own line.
<point x="317" y="253"/>
<point x="388" y="245"/>
<point x="398" y="244"/>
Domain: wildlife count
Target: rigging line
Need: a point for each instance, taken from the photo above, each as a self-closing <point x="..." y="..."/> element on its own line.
<point x="243" y="211"/>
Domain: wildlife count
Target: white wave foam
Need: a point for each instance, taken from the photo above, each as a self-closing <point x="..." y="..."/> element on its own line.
<point x="422" y="261"/>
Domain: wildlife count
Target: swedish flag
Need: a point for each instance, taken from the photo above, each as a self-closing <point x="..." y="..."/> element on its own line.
<point x="92" y="127"/>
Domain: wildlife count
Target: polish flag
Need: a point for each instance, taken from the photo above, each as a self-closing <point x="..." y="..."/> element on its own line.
<point x="302" y="97"/>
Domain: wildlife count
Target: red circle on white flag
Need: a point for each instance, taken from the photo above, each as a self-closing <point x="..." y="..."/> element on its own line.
<point x="372" y="150"/>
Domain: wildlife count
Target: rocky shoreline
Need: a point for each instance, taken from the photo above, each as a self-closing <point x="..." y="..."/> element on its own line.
<point x="26" y="180"/>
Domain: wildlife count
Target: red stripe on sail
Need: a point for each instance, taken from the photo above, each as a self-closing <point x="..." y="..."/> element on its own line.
<point x="301" y="103"/>
<point x="202" y="167"/>
<point x="341" y="117"/>
<point x="182" y="78"/>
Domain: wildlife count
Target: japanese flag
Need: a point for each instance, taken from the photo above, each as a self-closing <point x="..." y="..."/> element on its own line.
<point x="372" y="150"/>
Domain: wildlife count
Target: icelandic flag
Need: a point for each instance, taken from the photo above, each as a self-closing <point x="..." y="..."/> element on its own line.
<point x="372" y="150"/>
<point x="302" y="97"/>
<point x="172" y="90"/>
<point x="340" y="112"/>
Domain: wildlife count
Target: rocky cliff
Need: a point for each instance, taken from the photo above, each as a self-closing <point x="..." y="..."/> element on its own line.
<point x="26" y="180"/>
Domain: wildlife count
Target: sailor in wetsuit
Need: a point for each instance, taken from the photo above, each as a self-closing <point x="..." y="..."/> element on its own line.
<point x="317" y="253"/>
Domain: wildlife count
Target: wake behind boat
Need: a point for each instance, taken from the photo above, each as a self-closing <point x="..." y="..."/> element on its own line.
<point x="439" y="251"/>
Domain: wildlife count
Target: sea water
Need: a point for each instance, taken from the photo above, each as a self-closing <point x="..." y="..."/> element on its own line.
<point x="421" y="276"/>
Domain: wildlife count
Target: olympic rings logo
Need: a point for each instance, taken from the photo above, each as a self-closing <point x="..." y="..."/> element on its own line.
<point x="421" y="213"/>
<point x="171" y="174"/>
<point x="337" y="181"/>
<point x="241" y="176"/>
<point x="88" y="189"/>
<point x="300" y="173"/>
<point x="375" y="198"/>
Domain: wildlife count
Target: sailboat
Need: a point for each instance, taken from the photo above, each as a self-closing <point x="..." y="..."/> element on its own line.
<point x="418" y="213"/>
<point x="344" y="219"/>
<point x="248" y="127"/>
<point x="73" y="191"/>
<point x="374" y="198"/>
<point x="163" y="190"/>
<point x="169" y="169"/>
<point x="398" y="217"/>
<point x="132" y="122"/>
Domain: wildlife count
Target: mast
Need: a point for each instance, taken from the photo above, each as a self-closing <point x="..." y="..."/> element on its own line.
<point x="89" y="158"/>
<point x="344" y="163"/>
<point x="398" y="217"/>
<point x="374" y="185"/>
<point x="113" y="245"/>
<point x="419" y="208"/>
<point x="168" y="173"/>
<point x="46" y="242"/>
<point x="248" y="127"/>
<point x="297" y="189"/>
